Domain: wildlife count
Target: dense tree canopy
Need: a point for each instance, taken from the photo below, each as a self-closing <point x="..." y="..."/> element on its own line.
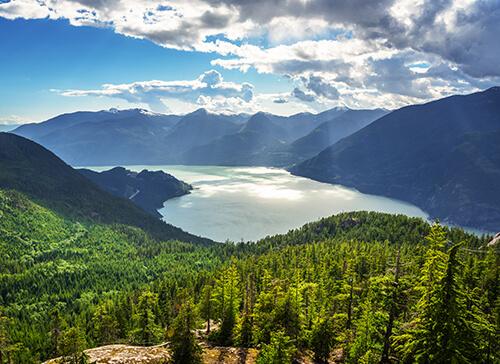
<point x="361" y="287"/>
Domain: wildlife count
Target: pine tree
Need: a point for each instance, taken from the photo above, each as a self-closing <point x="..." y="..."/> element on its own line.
<point x="323" y="340"/>
<point x="183" y="344"/>
<point x="4" y="337"/>
<point x="72" y="344"/>
<point x="444" y="330"/>
<point x="279" y="351"/>
<point x="147" y="331"/>
<point x="57" y="326"/>
<point x="105" y="326"/>
<point x="206" y="305"/>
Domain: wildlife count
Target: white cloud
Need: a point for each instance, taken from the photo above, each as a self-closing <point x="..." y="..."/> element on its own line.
<point x="209" y="87"/>
<point x="303" y="96"/>
<point x="335" y="49"/>
<point x="14" y="120"/>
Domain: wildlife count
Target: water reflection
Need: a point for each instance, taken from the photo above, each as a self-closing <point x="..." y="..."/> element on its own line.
<point x="242" y="204"/>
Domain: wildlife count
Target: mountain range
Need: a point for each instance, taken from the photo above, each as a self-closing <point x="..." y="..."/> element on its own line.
<point x="442" y="156"/>
<point x="128" y="137"/>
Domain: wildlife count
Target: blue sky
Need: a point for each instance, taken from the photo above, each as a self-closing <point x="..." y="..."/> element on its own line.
<point x="282" y="56"/>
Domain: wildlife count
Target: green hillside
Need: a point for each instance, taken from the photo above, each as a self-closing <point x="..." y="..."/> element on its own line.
<point x="326" y="286"/>
<point x="34" y="171"/>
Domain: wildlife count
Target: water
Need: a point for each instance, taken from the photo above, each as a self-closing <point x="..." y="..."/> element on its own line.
<point x="249" y="203"/>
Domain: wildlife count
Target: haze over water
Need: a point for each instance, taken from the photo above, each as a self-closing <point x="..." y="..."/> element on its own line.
<point x="249" y="203"/>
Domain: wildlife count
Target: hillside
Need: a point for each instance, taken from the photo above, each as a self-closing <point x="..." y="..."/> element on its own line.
<point x="304" y="289"/>
<point x="147" y="189"/>
<point x="440" y="156"/>
<point x="39" y="174"/>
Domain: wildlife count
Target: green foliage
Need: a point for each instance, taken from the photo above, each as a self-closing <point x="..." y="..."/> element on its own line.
<point x="279" y="351"/>
<point x="72" y="345"/>
<point x="105" y="326"/>
<point x="323" y="340"/>
<point x="147" y="331"/>
<point x="328" y="283"/>
<point x="183" y="344"/>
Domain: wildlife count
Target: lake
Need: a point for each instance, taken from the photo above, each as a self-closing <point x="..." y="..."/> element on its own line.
<point x="249" y="203"/>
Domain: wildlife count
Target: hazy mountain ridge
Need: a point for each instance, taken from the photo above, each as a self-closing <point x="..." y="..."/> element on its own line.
<point x="45" y="179"/>
<point x="148" y="189"/>
<point x="440" y="156"/>
<point x="139" y="137"/>
<point x="242" y="148"/>
<point x="331" y="131"/>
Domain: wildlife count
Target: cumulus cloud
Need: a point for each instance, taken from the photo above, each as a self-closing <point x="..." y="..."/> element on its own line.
<point x="333" y="47"/>
<point x="321" y="88"/>
<point x="209" y="88"/>
<point x="301" y="95"/>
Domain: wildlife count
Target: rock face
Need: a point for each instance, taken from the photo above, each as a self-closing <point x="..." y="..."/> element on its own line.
<point x="124" y="354"/>
<point x="494" y="241"/>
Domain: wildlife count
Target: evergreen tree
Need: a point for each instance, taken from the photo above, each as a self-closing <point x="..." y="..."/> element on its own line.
<point x="206" y="305"/>
<point x="183" y="344"/>
<point x="227" y="299"/>
<point x="323" y="340"/>
<point x="279" y="351"/>
<point x="147" y="332"/>
<point x="443" y="331"/>
<point x="57" y="326"/>
<point x="244" y="330"/>
<point x="72" y="345"/>
<point x="105" y="326"/>
<point x="4" y="337"/>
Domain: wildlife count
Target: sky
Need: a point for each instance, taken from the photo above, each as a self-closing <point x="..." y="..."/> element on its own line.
<point x="279" y="56"/>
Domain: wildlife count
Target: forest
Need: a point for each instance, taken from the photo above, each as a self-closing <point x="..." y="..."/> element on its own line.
<point x="359" y="287"/>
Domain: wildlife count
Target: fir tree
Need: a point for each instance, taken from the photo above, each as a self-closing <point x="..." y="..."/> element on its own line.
<point x="323" y="340"/>
<point x="147" y="332"/>
<point x="183" y="344"/>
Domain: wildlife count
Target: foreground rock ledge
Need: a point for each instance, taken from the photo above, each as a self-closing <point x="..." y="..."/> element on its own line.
<point x="124" y="354"/>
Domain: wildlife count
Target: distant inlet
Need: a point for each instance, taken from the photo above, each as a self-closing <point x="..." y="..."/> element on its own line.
<point x="250" y="203"/>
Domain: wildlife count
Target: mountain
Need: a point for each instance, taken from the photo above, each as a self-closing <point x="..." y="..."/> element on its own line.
<point x="127" y="137"/>
<point x="344" y="123"/>
<point x="331" y="131"/>
<point x="198" y="128"/>
<point x="147" y="189"/>
<point x="442" y="156"/>
<point x="45" y="179"/>
<point x="301" y="124"/>
<point x="8" y="128"/>
<point x="245" y="147"/>
<point x="105" y="137"/>
<point x="35" y="131"/>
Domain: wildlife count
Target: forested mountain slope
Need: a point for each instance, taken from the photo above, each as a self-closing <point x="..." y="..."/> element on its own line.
<point x="148" y="189"/>
<point x="326" y="286"/>
<point x="441" y="156"/>
<point x="39" y="174"/>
